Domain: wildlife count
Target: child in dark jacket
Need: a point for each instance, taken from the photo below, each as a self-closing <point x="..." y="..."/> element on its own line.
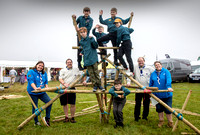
<point x="119" y="101"/>
<point x="89" y="51"/>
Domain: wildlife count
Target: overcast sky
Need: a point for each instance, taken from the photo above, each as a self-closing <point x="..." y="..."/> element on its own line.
<point x="43" y="29"/>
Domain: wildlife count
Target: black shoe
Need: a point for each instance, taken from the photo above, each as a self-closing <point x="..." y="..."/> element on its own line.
<point x="121" y="124"/>
<point x="101" y="88"/>
<point x="47" y="121"/>
<point x="144" y="118"/>
<point x="116" y="125"/>
<point x="73" y="120"/>
<point x="95" y="89"/>
<point x="66" y="120"/>
<point x="137" y="119"/>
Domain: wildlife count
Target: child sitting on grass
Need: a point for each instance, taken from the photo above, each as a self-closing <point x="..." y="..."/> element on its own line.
<point x="90" y="58"/>
<point x="119" y="101"/>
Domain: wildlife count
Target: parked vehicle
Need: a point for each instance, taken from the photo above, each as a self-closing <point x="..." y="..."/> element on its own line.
<point x="195" y="65"/>
<point x="195" y="76"/>
<point x="111" y="74"/>
<point x="179" y="68"/>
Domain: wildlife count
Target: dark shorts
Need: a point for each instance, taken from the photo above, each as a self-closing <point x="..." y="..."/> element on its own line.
<point x="160" y="108"/>
<point x="68" y="98"/>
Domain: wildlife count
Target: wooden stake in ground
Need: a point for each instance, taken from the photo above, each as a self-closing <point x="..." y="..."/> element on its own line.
<point x="109" y="108"/>
<point x="105" y="79"/>
<point x="178" y="115"/>
<point x="183" y="108"/>
<point x="101" y="107"/>
<point x="36" y="108"/>
<point x="76" y="27"/>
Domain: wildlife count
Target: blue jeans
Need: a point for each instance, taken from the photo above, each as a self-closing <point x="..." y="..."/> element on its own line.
<point x="160" y="108"/>
<point x="45" y="98"/>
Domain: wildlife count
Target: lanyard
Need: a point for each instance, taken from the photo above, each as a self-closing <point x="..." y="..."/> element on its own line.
<point x="141" y="70"/>
<point x="158" y="77"/>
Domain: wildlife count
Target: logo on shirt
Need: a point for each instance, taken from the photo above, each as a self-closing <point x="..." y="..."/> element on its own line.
<point x="29" y="75"/>
<point x="109" y="20"/>
<point x="163" y="73"/>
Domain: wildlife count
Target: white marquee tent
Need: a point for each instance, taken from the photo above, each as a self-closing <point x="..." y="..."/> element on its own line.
<point x="27" y="64"/>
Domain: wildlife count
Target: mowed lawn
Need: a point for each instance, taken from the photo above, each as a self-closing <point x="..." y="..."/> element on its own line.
<point x="14" y="111"/>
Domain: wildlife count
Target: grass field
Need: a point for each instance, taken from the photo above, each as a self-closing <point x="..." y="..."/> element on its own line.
<point x="15" y="111"/>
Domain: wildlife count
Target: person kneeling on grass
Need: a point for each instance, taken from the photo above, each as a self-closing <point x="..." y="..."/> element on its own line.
<point x="90" y="58"/>
<point x="118" y="102"/>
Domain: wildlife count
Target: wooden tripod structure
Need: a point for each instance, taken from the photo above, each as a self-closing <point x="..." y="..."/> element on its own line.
<point x="104" y="116"/>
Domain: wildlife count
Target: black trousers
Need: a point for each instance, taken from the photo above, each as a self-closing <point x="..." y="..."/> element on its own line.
<point x="126" y="49"/>
<point x="113" y="37"/>
<point x="146" y="102"/>
<point x="118" y="105"/>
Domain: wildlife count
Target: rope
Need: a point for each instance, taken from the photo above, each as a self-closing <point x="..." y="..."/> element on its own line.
<point x="105" y="112"/>
<point x="143" y="88"/>
<point x="179" y="114"/>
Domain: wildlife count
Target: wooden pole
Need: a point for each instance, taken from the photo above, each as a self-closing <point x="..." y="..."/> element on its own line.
<point x="109" y="108"/>
<point x="182" y="110"/>
<point x="76" y="27"/>
<point x="176" y="114"/>
<point x="106" y="92"/>
<point x="76" y="115"/>
<point x="130" y="21"/>
<point x="150" y="88"/>
<point x="101" y="107"/>
<point x="117" y="74"/>
<point x="77" y="47"/>
<point x="36" y="108"/>
<point x="105" y="79"/>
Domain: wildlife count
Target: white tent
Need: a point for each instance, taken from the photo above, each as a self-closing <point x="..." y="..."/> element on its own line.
<point x="27" y="64"/>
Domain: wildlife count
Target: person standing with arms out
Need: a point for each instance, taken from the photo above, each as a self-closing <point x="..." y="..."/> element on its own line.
<point x="119" y="101"/>
<point x="83" y="21"/>
<point x="37" y="80"/>
<point x="22" y="77"/>
<point x="67" y="76"/>
<point x="98" y="35"/>
<point x="112" y="35"/>
<point x="142" y="74"/>
<point x="12" y="75"/>
<point x="161" y="78"/>
<point x="123" y="34"/>
<point x="90" y="58"/>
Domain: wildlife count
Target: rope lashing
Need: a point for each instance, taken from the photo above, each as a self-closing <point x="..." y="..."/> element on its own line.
<point x="37" y="112"/>
<point x="147" y="91"/>
<point x="178" y="115"/>
<point x="105" y="112"/>
<point x="143" y="88"/>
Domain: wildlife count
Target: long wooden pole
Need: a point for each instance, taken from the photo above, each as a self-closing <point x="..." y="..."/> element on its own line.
<point x="182" y="110"/>
<point x="106" y="92"/>
<point x="36" y="108"/>
<point x="150" y="88"/>
<point x="76" y="27"/>
<point x="76" y="47"/>
<point x="105" y="79"/>
<point x="176" y="114"/>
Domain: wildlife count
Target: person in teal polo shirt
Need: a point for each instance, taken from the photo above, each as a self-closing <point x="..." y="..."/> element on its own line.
<point x="89" y="51"/>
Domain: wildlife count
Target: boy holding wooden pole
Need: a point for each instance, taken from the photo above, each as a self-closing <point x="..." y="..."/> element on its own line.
<point x="83" y="21"/>
<point x="119" y="101"/>
<point x="90" y="58"/>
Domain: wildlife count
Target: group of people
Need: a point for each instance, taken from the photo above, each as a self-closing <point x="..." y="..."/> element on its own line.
<point x="117" y="34"/>
<point x="146" y="75"/>
<point x="13" y="74"/>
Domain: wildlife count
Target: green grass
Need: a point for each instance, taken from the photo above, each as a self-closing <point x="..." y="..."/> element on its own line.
<point x="15" y="111"/>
